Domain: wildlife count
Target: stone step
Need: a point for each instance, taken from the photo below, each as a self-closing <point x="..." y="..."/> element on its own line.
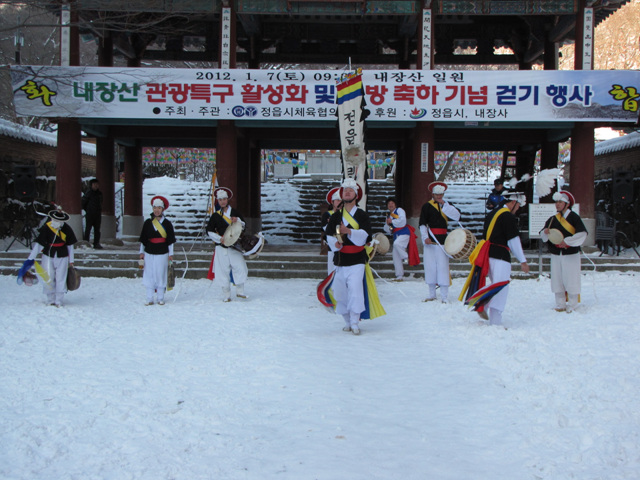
<point x="289" y="262"/>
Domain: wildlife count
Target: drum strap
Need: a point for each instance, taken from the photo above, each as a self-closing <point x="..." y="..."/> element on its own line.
<point x="565" y="224"/>
<point x="57" y="232"/>
<point x="158" y="226"/>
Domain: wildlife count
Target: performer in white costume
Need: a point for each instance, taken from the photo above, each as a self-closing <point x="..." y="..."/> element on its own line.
<point x="403" y="238"/>
<point x="55" y="240"/>
<point x="353" y="226"/>
<point x="156" y="250"/>
<point x="565" y="256"/>
<point x="333" y="199"/>
<point x="434" y="219"/>
<point x="227" y="260"/>
<point x="504" y="239"/>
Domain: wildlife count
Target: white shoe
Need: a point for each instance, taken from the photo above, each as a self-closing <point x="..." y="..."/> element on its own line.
<point x="228" y="299"/>
<point x="241" y="295"/>
<point x="400" y="279"/>
<point x="355" y="330"/>
<point x="560" y="309"/>
<point x="160" y="302"/>
<point x="346" y="329"/>
<point x="429" y="299"/>
<point x="444" y="300"/>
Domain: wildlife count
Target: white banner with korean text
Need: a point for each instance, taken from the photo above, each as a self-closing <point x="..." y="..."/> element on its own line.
<point x="390" y="95"/>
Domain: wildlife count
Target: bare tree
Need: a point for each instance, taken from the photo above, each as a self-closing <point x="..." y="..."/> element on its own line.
<point x="617" y="42"/>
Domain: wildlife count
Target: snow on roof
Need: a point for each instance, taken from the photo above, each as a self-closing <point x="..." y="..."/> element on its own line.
<point x="10" y="129"/>
<point x="626" y="142"/>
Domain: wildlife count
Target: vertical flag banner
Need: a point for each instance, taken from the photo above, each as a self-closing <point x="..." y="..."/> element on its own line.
<point x="351" y="115"/>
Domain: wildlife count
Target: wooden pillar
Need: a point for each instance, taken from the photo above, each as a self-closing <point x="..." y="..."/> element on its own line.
<point x="105" y="51"/>
<point x="422" y="169"/>
<point x="227" y="155"/>
<point x="418" y="172"/>
<point x="525" y="161"/>
<point x="227" y="136"/>
<point x="255" y="210"/>
<point x="582" y="165"/>
<point x="549" y="159"/>
<point x="105" y="173"/>
<point x="105" y="147"/>
<point x="227" y="52"/>
<point x="69" y="150"/>
<point x="74" y="43"/>
<point x="68" y="172"/>
<point x="550" y="58"/>
<point x="581" y="174"/>
<point x="132" y="218"/>
<point x="243" y="175"/>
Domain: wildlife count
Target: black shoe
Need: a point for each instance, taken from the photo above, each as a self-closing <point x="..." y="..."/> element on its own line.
<point x="98" y="247"/>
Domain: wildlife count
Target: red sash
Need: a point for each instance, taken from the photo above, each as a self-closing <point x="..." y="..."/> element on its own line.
<point x="414" y="254"/>
<point x="158" y="240"/>
<point x="351" y="249"/>
<point x="211" y="274"/>
<point x="439" y="231"/>
<point x="58" y="244"/>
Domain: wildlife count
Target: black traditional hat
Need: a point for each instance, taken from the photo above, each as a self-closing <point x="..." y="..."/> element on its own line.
<point x="59" y="215"/>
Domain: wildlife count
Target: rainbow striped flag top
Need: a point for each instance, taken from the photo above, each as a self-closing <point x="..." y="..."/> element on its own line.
<point x="349" y="89"/>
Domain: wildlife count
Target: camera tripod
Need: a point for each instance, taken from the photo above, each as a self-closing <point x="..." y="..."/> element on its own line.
<point x="27" y="233"/>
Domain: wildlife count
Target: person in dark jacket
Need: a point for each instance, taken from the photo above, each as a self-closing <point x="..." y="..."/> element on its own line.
<point x="92" y="205"/>
<point x="497" y="194"/>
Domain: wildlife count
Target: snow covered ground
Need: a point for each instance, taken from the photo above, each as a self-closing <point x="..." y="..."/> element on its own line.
<point x="271" y="388"/>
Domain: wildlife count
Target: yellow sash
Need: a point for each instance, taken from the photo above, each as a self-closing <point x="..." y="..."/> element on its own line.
<point x="394" y="215"/>
<point x="478" y="248"/>
<point x="159" y="227"/>
<point x="493" y="221"/>
<point x="476" y="251"/>
<point x="350" y="220"/>
<point x="566" y="225"/>
<point x="436" y="205"/>
<point x="226" y="219"/>
<point x="58" y="233"/>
